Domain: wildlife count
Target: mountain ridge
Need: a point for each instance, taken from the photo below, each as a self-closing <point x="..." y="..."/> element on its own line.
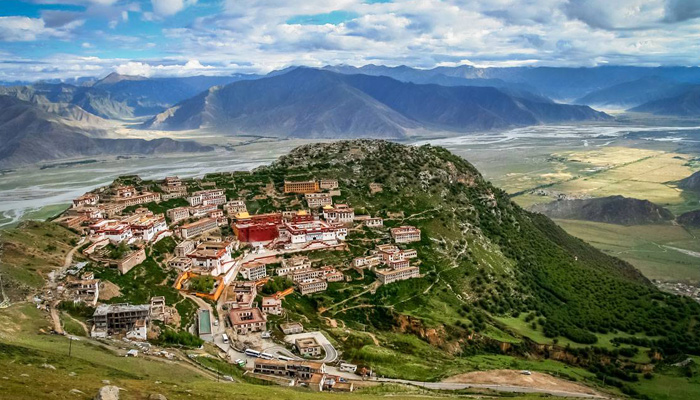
<point x="29" y="134"/>
<point x="307" y="102"/>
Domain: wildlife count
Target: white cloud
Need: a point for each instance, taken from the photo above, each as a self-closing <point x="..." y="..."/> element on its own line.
<point x="254" y="36"/>
<point x="25" y="29"/>
<point x="170" y="7"/>
<point x="191" y="67"/>
<point x="20" y="29"/>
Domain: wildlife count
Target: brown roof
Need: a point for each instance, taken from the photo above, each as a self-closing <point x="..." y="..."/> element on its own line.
<point x="235" y="316"/>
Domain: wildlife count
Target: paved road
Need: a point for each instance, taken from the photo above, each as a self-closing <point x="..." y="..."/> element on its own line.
<point x="500" y="388"/>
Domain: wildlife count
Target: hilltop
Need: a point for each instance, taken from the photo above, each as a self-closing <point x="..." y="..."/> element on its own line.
<point x="612" y="210"/>
<point x="497" y="287"/>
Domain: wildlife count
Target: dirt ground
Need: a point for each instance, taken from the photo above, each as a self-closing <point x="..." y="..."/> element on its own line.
<point x="108" y="290"/>
<point x="516" y="378"/>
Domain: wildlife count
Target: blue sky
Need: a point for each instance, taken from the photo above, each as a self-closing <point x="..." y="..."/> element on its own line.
<point x="42" y="39"/>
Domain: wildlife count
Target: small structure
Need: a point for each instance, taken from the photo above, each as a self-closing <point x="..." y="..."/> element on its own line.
<point x="197" y="228"/>
<point x="341" y="213"/>
<point x="177" y="214"/>
<point x="109" y="319"/>
<point x="390" y="275"/>
<point x="207" y="197"/>
<point x="247" y="320"/>
<point x="211" y="257"/>
<point x="375" y="222"/>
<point x="308" y="347"/>
<point x="316" y="200"/>
<point x="271" y="305"/>
<point x="405" y="234"/>
<point x="234" y="207"/>
<point x="328" y="184"/>
<point x="88" y="199"/>
<point x="292" y="369"/>
<point x="184" y="248"/>
<point x="290" y="265"/>
<point x="291" y="328"/>
<point x="253" y="271"/>
<point x="131" y="260"/>
<point x="158" y="308"/>
<point x="312" y="285"/>
<point x="301" y="187"/>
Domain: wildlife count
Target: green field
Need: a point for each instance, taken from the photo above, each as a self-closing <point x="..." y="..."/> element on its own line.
<point x="32" y="359"/>
<point x="650" y="248"/>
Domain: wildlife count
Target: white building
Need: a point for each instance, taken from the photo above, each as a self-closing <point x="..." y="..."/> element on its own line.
<point x="253" y="271"/>
<point x="212" y="257"/>
<point x="341" y="213"/>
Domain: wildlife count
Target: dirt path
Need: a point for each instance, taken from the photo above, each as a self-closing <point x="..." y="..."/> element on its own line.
<point x="55" y="318"/>
<point x="372" y="286"/>
<point x="535" y="381"/>
<point x="79" y="322"/>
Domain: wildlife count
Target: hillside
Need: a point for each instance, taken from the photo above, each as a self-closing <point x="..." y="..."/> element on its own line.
<point x="686" y="104"/>
<point x="633" y="93"/>
<point x="498" y="287"/>
<point x="148" y="96"/>
<point x="691" y="183"/>
<point x="311" y="103"/>
<point x="690" y="219"/>
<point x="91" y="100"/>
<point x="474" y="231"/>
<point x="29" y="134"/>
<point x="612" y="210"/>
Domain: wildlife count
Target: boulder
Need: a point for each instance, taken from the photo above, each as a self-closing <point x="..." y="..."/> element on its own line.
<point x="108" y="393"/>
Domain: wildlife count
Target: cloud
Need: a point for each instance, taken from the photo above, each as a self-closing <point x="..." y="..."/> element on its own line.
<point x="170" y="7"/>
<point x="25" y="29"/>
<point x="20" y="29"/>
<point x="191" y="67"/>
<point x="682" y="10"/>
<point x="261" y="35"/>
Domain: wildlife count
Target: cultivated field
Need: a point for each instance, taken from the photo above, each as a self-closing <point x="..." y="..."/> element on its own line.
<point x="650" y="248"/>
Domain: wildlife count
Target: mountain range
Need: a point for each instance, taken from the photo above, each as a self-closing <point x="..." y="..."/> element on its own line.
<point x="306" y="102"/>
<point x="30" y="133"/>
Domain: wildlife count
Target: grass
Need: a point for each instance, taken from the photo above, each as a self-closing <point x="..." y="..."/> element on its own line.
<point x="30" y="252"/>
<point x="31" y="359"/>
<point x="644" y="246"/>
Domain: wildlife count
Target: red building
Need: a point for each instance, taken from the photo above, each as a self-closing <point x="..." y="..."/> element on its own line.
<point x="257" y="228"/>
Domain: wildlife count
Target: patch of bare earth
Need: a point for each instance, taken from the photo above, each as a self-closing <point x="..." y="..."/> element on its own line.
<point x="510" y="377"/>
<point x="108" y="290"/>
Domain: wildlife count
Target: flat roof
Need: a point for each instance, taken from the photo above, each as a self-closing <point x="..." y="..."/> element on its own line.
<point x="104" y="309"/>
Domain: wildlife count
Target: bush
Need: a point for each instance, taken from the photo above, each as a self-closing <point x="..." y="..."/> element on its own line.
<point x="181" y="338"/>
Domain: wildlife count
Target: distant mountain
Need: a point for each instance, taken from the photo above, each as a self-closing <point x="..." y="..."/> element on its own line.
<point x="29" y="134"/>
<point x="634" y="93"/>
<point x="612" y="210"/>
<point x="423" y="76"/>
<point x="314" y="103"/>
<point x="92" y="100"/>
<point x="149" y="96"/>
<point x="691" y="219"/>
<point x="687" y="104"/>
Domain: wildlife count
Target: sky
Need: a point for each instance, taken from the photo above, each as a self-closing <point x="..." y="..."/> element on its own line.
<point x="65" y="39"/>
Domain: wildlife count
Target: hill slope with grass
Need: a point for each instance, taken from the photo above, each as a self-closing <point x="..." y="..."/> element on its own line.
<point x="498" y="258"/>
<point x="612" y="210"/>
